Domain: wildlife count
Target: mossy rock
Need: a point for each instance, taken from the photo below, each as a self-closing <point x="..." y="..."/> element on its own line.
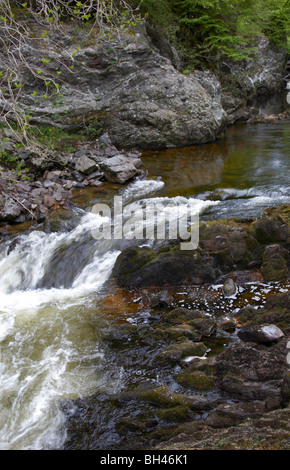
<point x="125" y="425"/>
<point x="161" y="396"/>
<point x="167" y="357"/>
<point x="143" y="267"/>
<point x="188" y="348"/>
<point x="274" y="267"/>
<point x="179" y="350"/>
<point x="204" y="326"/>
<point x="275" y="311"/>
<point x="271" y="230"/>
<point x="181" y="331"/>
<point x="182" y="315"/>
<point x="195" y="379"/>
<point x="177" y="414"/>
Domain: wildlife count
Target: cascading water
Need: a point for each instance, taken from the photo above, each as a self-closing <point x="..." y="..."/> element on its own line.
<point x="50" y="327"/>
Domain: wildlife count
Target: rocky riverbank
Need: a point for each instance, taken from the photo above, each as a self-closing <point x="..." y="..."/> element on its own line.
<point x="253" y="374"/>
<point x="32" y="186"/>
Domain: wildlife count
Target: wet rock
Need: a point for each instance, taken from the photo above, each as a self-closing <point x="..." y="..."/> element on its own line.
<point x="226" y="246"/>
<point x="252" y="361"/>
<point x="176" y="414"/>
<point x="285" y="388"/>
<point x="267" y="432"/>
<point x="179" y="332"/>
<point x="180" y="350"/>
<point x="164" y="397"/>
<point x="238" y="387"/>
<point x="228" y="325"/>
<point x="262" y="334"/>
<point x="130" y="424"/>
<point x="276" y="311"/>
<point x="252" y="371"/>
<point x="161" y="299"/>
<point x="169" y="356"/>
<point x="194" y="379"/>
<point x="136" y="267"/>
<point x="182" y="315"/>
<point x="205" y="326"/>
<point x="227" y="415"/>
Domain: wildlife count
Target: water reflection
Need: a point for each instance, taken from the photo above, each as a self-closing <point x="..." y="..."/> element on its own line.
<point x="248" y="162"/>
<point x="185" y="170"/>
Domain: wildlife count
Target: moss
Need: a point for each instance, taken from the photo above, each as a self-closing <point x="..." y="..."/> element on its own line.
<point x="125" y="425"/>
<point x="275" y="271"/>
<point x="181" y="315"/>
<point x="181" y="331"/>
<point x="56" y="138"/>
<point x="204" y="326"/>
<point x="161" y="396"/>
<point x="171" y="356"/>
<point x="189" y="348"/>
<point x="176" y="414"/>
<point x="195" y="379"/>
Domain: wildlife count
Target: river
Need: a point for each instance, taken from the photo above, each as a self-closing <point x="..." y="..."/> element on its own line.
<point x="58" y="304"/>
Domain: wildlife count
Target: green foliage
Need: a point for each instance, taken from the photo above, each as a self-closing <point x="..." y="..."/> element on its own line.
<point x="205" y="27"/>
<point x="56" y="138"/>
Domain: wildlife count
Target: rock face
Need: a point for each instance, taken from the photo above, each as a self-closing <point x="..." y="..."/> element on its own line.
<point x="226" y="247"/>
<point x="243" y="82"/>
<point x="124" y="86"/>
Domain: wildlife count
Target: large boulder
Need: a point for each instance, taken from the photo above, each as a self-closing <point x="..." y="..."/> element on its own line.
<point x="141" y="267"/>
<point x="127" y="88"/>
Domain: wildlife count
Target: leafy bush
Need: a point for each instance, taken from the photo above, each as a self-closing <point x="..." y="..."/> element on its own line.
<point x="205" y="27"/>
